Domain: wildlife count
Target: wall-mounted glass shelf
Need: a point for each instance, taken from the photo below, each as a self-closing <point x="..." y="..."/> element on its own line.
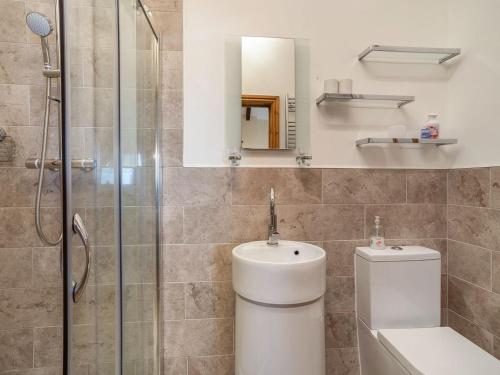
<point x="379" y="141"/>
<point x="402" y="54"/>
<point x="391" y="101"/>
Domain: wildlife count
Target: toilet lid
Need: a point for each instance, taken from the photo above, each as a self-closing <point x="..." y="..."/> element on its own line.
<point x="437" y="351"/>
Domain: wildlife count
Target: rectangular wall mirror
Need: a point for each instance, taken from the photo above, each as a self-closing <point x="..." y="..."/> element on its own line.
<point x="268" y="93"/>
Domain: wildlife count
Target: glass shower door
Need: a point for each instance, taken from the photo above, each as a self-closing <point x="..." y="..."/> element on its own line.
<point x="111" y="202"/>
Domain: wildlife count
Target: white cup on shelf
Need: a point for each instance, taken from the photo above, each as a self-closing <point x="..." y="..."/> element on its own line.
<point x="345" y="86"/>
<point x="331" y="86"/>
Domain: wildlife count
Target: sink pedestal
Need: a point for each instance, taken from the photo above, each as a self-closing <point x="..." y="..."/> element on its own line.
<point x="280" y="339"/>
<point x="280" y="325"/>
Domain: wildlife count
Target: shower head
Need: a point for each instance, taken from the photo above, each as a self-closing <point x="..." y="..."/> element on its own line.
<point x="39" y="24"/>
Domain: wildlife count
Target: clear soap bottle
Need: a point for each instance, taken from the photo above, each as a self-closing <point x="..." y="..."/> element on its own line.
<point x="377" y="240"/>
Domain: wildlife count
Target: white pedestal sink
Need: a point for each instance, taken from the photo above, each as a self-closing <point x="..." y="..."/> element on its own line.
<point x="279" y="308"/>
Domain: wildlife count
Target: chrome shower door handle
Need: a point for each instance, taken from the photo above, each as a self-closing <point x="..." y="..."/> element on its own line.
<point x="79" y="286"/>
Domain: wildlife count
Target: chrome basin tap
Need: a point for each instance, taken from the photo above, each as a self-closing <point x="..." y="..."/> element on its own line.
<point x="274" y="236"/>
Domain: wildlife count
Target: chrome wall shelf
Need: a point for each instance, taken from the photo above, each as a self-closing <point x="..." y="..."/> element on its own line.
<point x="377" y="52"/>
<point x="380" y="100"/>
<point x="435" y="142"/>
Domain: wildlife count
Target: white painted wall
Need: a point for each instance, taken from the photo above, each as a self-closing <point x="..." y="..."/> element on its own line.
<point x="338" y="31"/>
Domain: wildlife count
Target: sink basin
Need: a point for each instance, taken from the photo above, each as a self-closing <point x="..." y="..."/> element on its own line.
<point x="289" y="273"/>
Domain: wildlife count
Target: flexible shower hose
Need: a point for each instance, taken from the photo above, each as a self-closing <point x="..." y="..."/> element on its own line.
<point x="41" y="171"/>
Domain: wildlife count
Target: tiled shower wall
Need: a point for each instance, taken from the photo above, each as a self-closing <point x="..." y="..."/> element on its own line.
<point x="474" y="255"/>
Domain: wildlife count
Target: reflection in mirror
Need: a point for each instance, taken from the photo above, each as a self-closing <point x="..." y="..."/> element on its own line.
<point x="268" y="93"/>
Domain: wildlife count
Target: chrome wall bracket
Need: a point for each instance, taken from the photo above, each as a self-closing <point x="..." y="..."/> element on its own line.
<point x="303" y="160"/>
<point x="234" y="159"/>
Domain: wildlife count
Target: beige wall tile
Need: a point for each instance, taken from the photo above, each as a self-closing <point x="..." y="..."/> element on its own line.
<point x="209" y="300"/>
<point x="16" y="349"/>
<point x="427" y="186"/>
<point x="172" y="225"/>
<point x="207" y="224"/>
<point x="470" y="263"/>
<point x="48" y="346"/>
<point x="169" y="24"/>
<point x="11" y="28"/>
<point x="172" y="109"/>
<point x="165" y="5"/>
<point x="495" y="187"/>
<point x="474" y="333"/>
<point x="22" y="308"/>
<point x="198" y="337"/>
<point x="475" y="304"/>
<point x="14" y="110"/>
<point x="409" y="221"/>
<point x="364" y="186"/>
<point x="342" y="361"/>
<point x="340" y="257"/>
<point x="15" y="268"/>
<point x="496" y="347"/>
<point x="175" y="366"/>
<point x="340" y="330"/>
<point x="339" y="295"/>
<point x="174" y="301"/>
<point x="13" y="63"/>
<point x="291" y="185"/>
<point x="474" y="225"/>
<point x="470" y="187"/>
<point x="172" y="149"/>
<point x="496" y="272"/>
<point x="444" y="291"/>
<point x="197" y="186"/>
<point x="212" y="365"/>
<point x="37" y="107"/>
<point x="189" y="263"/>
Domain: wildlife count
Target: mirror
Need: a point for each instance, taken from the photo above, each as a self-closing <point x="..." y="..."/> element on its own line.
<point x="267" y="93"/>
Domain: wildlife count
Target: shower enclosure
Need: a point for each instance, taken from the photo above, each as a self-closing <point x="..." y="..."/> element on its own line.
<point x="101" y="139"/>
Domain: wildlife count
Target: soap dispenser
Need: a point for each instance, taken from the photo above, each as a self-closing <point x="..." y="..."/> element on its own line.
<point x="377" y="240"/>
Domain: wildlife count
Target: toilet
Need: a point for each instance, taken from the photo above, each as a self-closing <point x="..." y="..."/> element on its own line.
<point x="398" y="305"/>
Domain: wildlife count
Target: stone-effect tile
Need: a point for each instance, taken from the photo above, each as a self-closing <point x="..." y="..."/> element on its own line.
<point x="16" y="349"/>
<point x="496" y="347"/>
<point x="426" y="186"/>
<point x="495" y="187"/>
<point x="476" y="334"/>
<point x="172" y="109"/>
<point x="470" y="263"/>
<point x="23" y="308"/>
<point x="470" y="187"/>
<point x="175" y="366"/>
<point x="291" y="185"/>
<point x="169" y="24"/>
<point x="190" y="263"/>
<point x="172" y="148"/>
<point x="197" y="186"/>
<point x="444" y="291"/>
<point x="364" y="186"/>
<point x="48" y="346"/>
<point x="165" y="5"/>
<point x="342" y="361"/>
<point x="341" y="331"/>
<point x="477" y="226"/>
<point x="209" y="300"/>
<point x="14" y="110"/>
<point x="173" y="297"/>
<point x="475" y="304"/>
<point x="172" y="225"/>
<point x="198" y="337"/>
<point x="409" y="221"/>
<point x="496" y="272"/>
<point x="11" y="26"/>
<point x="340" y="257"/>
<point x="339" y="295"/>
<point x="318" y="222"/>
<point x="215" y="365"/>
<point x="13" y="61"/>
<point x="15" y="268"/>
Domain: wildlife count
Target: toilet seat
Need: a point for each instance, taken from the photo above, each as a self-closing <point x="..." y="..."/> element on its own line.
<point x="437" y="351"/>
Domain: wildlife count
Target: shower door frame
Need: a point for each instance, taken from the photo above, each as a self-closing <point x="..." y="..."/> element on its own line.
<point x="62" y="9"/>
